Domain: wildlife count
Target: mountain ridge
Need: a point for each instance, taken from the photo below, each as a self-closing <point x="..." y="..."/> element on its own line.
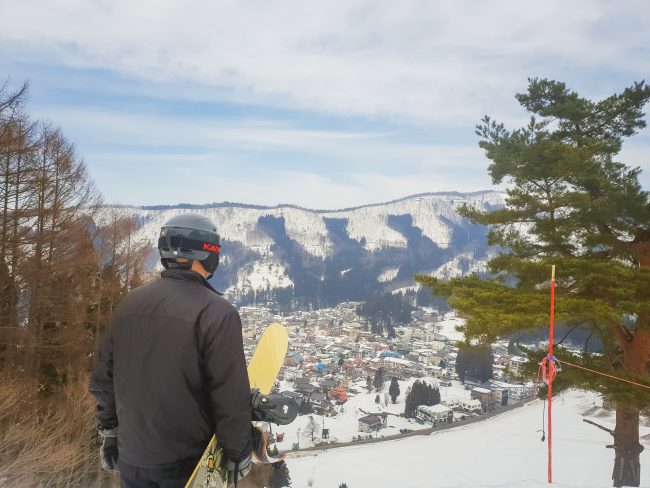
<point x="296" y="257"/>
<point x="226" y="203"/>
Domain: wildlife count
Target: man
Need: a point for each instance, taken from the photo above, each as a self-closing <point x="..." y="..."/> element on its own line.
<point x="172" y="370"/>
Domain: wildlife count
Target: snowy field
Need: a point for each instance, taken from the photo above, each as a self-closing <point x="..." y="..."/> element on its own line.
<point x="447" y="326"/>
<point x="345" y="425"/>
<point x="503" y="452"/>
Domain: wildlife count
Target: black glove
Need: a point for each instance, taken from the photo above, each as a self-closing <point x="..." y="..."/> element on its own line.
<point x="277" y="409"/>
<point x="108" y="454"/>
<point x="237" y="470"/>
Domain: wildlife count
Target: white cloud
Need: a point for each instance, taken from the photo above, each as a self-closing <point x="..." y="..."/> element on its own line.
<point x="240" y="158"/>
<point x="410" y="60"/>
<point x="209" y="178"/>
<point x="437" y="65"/>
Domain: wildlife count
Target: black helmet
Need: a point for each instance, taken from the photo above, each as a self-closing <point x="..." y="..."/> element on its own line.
<point x="189" y="236"/>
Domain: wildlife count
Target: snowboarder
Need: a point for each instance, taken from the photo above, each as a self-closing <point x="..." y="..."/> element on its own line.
<point x="172" y="371"/>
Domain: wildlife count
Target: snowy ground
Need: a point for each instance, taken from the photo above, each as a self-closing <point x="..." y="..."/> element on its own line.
<point x="447" y="326"/>
<point x="345" y="425"/>
<point x="503" y="452"/>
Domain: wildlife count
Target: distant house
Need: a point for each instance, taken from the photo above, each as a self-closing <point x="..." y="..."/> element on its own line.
<point x="316" y="398"/>
<point x="396" y="365"/>
<point x="304" y="386"/>
<point x="327" y="384"/>
<point x="403" y="349"/>
<point x="370" y="423"/>
<point x="516" y="364"/>
<point x="515" y="392"/>
<point x="435" y="371"/>
<point x="438" y="346"/>
<point x="301" y="380"/>
<point x="435" y="414"/>
<point x="501" y="395"/>
<point x="464" y="405"/>
<point x="436" y="361"/>
<point x="488" y="398"/>
<point x="293" y="359"/>
<point x="324" y="407"/>
<point x="294" y="395"/>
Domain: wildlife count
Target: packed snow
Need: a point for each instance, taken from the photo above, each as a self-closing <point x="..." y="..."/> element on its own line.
<point x="504" y="451"/>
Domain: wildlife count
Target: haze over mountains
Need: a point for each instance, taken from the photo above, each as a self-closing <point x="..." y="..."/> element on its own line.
<point x="297" y="257"/>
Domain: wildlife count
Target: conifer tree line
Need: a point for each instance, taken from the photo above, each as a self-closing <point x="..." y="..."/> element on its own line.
<point x="385" y="311"/>
<point x="572" y="203"/>
<point x="65" y="262"/>
<point x="421" y="393"/>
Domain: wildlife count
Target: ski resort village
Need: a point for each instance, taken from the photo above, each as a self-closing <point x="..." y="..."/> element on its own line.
<point x="353" y="385"/>
<point x="452" y="433"/>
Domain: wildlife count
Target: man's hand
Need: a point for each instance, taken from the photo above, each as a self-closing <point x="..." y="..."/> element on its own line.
<point x="108" y="454"/>
<point x="275" y="408"/>
<point x="237" y="470"/>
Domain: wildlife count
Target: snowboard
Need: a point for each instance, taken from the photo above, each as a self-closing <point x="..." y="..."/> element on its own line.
<point x="263" y="369"/>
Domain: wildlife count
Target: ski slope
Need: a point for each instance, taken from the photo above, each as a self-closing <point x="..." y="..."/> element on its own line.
<point x="503" y="452"/>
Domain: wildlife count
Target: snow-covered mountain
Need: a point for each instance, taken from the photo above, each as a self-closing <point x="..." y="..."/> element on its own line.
<point x="318" y="258"/>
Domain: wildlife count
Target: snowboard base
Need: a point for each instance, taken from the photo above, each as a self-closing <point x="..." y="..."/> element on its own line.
<point x="210" y="471"/>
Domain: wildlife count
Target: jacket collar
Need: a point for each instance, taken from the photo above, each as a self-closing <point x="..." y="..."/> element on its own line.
<point x="188" y="275"/>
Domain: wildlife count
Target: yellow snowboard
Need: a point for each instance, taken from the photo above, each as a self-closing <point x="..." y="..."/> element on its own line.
<point x="263" y="369"/>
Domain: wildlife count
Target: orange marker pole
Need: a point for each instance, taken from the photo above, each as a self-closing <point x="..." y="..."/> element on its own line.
<point x="550" y="382"/>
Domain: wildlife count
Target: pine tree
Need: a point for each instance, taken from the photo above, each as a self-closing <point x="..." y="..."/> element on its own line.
<point x="569" y="203"/>
<point x="420" y="393"/>
<point x="474" y="362"/>
<point x="393" y="390"/>
<point x="409" y="409"/>
<point x="280" y="477"/>
<point x="378" y="382"/>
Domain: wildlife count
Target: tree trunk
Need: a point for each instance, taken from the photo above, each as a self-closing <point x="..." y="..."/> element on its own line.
<point x="636" y="361"/>
<point x="627" y="466"/>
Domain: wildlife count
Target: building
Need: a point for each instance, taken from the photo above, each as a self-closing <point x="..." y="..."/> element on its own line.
<point x="486" y="397"/>
<point x="501" y="395"/>
<point x="515" y="392"/>
<point x="370" y="423"/>
<point x="435" y="414"/>
<point x="516" y="364"/>
<point x="465" y="405"/>
<point x="397" y="367"/>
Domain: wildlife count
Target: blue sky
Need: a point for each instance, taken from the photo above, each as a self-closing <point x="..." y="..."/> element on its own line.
<point x="324" y="105"/>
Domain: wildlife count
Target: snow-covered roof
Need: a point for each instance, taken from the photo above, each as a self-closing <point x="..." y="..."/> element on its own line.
<point x="370" y="419"/>
<point x="478" y="389"/>
<point x="433" y="409"/>
<point x="403" y="362"/>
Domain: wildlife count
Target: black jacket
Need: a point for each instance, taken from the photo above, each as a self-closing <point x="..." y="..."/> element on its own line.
<point x="172" y="372"/>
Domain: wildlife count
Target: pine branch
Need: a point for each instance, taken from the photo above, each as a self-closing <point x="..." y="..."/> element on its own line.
<point x="599" y="426"/>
